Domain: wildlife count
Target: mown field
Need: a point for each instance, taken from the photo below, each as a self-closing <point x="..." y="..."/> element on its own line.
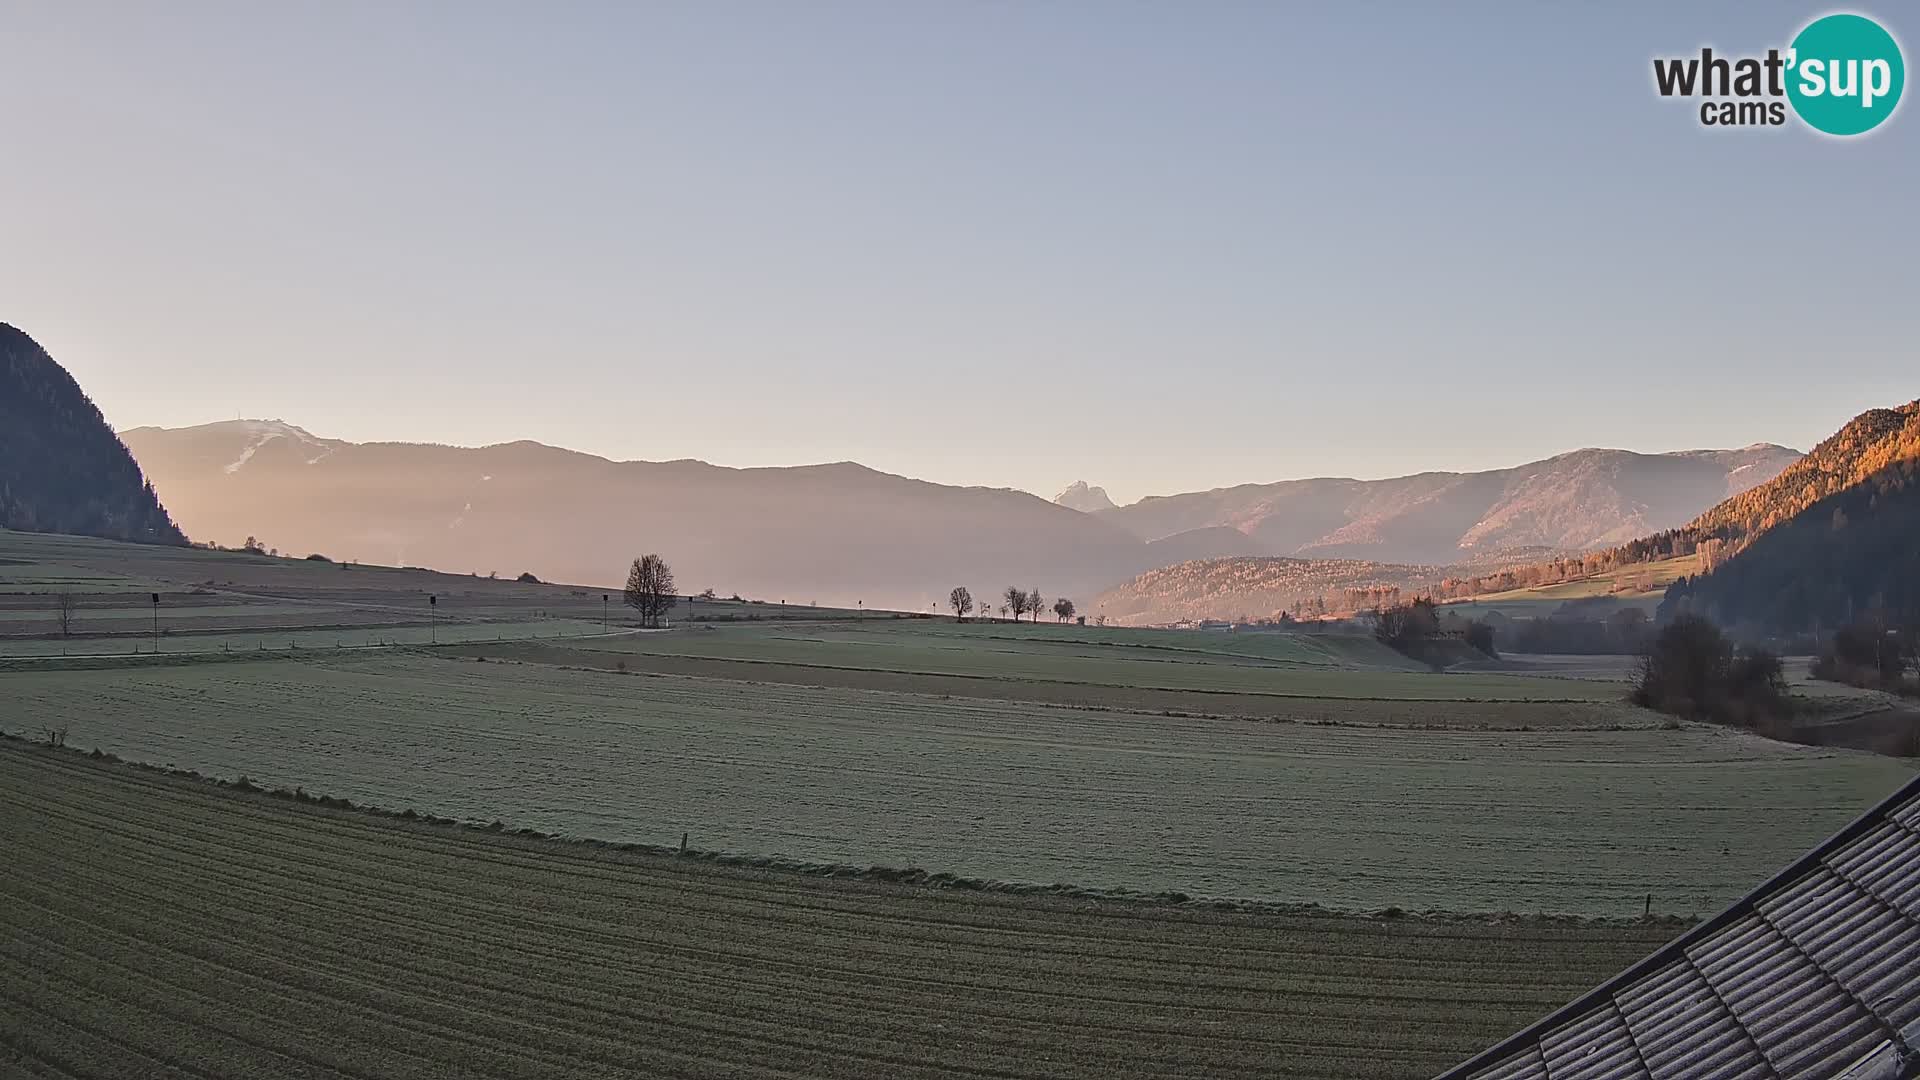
<point x="1295" y="665"/>
<point x="152" y="926"/>
<point x="1359" y="818"/>
<point x="222" y="601"/>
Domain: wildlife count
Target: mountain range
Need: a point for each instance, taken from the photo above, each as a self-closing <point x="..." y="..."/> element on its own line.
<point x="1572" y="502"/>
<point x="845" y="533"/>
<point x="837" y="533"/>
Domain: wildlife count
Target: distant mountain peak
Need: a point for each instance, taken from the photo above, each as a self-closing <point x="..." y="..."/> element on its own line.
<point x="1087" y="500"/>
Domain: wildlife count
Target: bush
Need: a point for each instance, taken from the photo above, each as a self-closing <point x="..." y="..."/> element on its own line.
<point x="527" y="578"/>
<point x="317" y="557"/>
<point x="1869" y="653"/>
<point x="1406" y="625"/>
<point x="1480" y="636"/>
<point x="1692" y="671"/>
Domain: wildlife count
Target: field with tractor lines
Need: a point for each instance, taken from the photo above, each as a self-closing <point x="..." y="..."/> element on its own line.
<point x="1356" y="818"/>
<point x="1282" y="664"/>
<point x="156" y="926"/>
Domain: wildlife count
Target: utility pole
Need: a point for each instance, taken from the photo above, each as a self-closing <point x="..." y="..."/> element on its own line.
<point x="156" y="622"/>
<point x="603" y="613"/>
<point x="433" y="619"/>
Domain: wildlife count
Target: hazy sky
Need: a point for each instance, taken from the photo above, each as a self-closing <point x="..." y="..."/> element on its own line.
<point x="1161" y="246"/>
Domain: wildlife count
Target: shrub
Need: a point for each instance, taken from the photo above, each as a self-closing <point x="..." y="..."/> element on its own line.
<point x="1480" y="636"/>
<point x="317" y="557"/>
<point x="1406" y="625"/>
<point x="1869" y="653"/>
<point x="527" y="578"/>
<point x="1692" y="671"/>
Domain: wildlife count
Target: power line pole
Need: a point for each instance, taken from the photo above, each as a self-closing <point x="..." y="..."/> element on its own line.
<point x="156" y="622"/>
<point x="433" y="619"/>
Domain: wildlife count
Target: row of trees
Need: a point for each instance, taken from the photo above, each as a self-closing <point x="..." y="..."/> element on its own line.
<point x="1017" y="602"/>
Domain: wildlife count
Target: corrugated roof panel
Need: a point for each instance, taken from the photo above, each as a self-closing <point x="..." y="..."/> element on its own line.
<point x="1885" y="862"/>
<point x="1909" y="814"/>
<point x="1594" y="1047"/>
<point x="1684" y="1031"/>
<point x="1890" y="985"/>
<point x="1836" y="1058"/>
<point x="1526" y="1065"/>
<point x="1812" y="899"/>
<point x="1795" y="1012"/>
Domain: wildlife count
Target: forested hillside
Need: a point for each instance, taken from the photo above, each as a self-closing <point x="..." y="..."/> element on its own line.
<point x="62" y="469"/>
<point x="1853" y="554"/>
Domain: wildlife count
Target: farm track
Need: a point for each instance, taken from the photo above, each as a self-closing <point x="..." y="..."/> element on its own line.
<point x="152" y="925"/>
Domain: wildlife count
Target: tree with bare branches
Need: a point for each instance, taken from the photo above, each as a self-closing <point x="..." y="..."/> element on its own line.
<point x="961" y="601"/>
<point x="650" y="589"/>
<point x="1016" y="602"/>
<point x="64" y="606"/>
<point x="1063" y="608"/>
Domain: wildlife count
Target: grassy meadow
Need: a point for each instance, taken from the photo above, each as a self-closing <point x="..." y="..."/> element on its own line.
<point x="1152" y="851"/>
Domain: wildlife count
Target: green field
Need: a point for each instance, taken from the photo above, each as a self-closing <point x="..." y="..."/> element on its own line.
<point x="1297" y="665"/>
<point x="1355" y="818"/>
<point x="214" y="934"/>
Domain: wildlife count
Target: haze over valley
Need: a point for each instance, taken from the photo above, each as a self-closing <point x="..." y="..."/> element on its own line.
<point x="847" y="534"/>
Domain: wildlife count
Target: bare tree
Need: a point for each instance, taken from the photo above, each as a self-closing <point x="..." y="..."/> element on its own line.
<point x="961" y="601"/>
<point x="1034" y="602"/>
<point x="1016" y="602"/>
<point x="63" y="609"/>
<point x="650" y="589"/>
<point x="1063" y="607"/>
<point x="1003" y="611"/>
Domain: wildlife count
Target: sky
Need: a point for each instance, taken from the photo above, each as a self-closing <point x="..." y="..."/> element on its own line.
<point x="1156" y="246"/>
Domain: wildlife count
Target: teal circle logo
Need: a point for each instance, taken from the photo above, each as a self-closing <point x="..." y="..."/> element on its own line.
<point x="1845" y="74"/>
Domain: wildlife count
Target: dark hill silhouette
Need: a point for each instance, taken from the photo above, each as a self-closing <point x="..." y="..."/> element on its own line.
<point x="1828" y="543"/>
<point x="62" y="469"/>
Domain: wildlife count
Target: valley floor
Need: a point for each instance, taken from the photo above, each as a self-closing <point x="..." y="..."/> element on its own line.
<point x="157" y="926"/>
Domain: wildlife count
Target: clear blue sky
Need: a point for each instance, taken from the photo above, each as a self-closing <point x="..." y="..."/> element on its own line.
<point x="1159" y="246"/>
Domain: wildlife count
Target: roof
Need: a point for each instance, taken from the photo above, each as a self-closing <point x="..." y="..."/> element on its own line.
<point x="1815" y="974"/>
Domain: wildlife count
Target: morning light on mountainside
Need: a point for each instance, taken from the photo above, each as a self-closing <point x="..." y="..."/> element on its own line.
<point x="1041" y="542"/>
